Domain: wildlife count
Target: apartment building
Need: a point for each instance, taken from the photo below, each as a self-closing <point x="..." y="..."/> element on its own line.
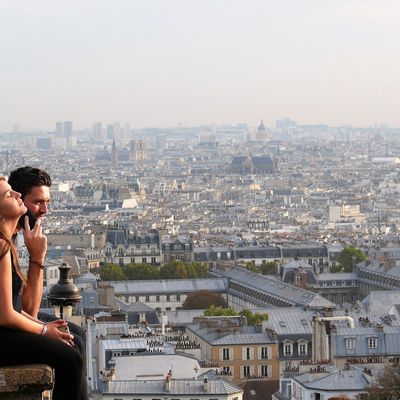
<point x="240" y="352"/>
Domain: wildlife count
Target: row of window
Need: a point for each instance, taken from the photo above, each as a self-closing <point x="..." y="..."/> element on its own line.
<point x="264" y="353"/>
<point x="334" y="283"/>
<point x="288" y="348"/>
<point x="156" y="298"/>
<point x="145" y="260"/>
<point x="351" y="343"/>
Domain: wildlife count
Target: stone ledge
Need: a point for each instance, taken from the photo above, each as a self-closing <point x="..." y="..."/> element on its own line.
<point x="25" y="381"/>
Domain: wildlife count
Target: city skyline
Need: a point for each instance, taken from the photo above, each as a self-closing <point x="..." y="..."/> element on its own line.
<point x="169" y="63"/>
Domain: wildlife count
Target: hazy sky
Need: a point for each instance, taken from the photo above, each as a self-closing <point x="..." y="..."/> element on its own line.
<point x="164" y="63"/>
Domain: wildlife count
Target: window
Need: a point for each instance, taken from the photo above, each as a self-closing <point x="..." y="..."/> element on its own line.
<point x="153" y="260"/>
<point x="350" y="343"/>
<point x="333" y="283"/>
<point x="132" y="260"/>
<point x="144" y="260"/>
<point x="372" y="343"/>
<point x="287" y="349"/>
<point x="157" y="298"/>
<point x="343" y="283"/>
<point x="168" y="297"/>
<point x="246" y="370"/>
<point x="226" y="354"/>
<point x="353" y="283"/>
<point x="226" y="370"/>
<point x="302" y="349"/>
<point x="178" y="297"/>
<point x="147" y="298"/>
<point x="153" y="250"/>
<point x="248" y="353"/>
<point x="264" y="370"/>
<point x="264" y="353"/>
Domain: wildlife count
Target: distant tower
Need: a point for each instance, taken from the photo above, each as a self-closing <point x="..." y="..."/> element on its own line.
<point x="59" y="129"/>
<point x="114" y="155"/>
<point x="110" y="131"/>
<point x="262" y="133"/>
<point x="117" y="130"/>
<point x="161" y="141"/>
<point x="137" y="150"/>
<point x="127" y="130"/>
<point x="67" y="131"/>
<point x="97" y="131"/>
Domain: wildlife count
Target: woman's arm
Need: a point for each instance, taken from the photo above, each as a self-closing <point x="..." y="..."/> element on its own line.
<point x="12" y="319"/>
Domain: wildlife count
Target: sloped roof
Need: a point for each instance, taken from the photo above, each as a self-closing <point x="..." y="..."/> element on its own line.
<point x="178" y="387"/>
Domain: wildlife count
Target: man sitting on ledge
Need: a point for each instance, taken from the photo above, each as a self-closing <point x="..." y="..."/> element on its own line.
<point x="34" y="185"/>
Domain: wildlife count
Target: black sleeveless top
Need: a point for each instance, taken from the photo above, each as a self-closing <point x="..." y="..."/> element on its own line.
<point x="16" y="288"/>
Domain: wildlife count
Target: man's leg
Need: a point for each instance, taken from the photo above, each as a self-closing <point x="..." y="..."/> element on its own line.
<point x="80" y="344"/>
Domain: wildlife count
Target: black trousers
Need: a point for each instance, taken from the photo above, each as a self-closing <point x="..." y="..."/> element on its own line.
<point x="80" y="343"/>
<point x="18" y="347"/>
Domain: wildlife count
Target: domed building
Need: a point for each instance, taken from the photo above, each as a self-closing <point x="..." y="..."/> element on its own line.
<point x="262" y="133"/>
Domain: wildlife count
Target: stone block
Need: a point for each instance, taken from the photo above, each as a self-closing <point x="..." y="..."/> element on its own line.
<point x="25" y="382"/>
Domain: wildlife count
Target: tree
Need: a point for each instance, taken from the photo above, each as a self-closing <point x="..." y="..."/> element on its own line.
<point x="254" y="318"/>
<point x="197" y="270"/>
<point x="203" y="299"/>
<point x="173" y="270"/>
<point x="387" y="386"/>
<point x="111" y="272"/>
<point x="214" y="311"/>
<point x="349" y="255"/>
<point x="269" y="268"/>
<point x="140" y="271"/>
<point x="252" y="267"/>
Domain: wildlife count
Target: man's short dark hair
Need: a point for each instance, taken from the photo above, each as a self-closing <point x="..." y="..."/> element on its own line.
<point x="23" y="179"/>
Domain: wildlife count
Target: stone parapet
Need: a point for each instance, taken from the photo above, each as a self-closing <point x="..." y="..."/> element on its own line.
<point x="25" y="382"/>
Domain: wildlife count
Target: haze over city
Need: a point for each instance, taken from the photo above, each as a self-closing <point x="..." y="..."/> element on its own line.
<point x="164" y="63"/>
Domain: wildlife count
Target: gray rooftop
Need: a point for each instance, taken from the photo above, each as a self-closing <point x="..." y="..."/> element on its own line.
<point x="351" y="380"/>
<point x="178" y="387"/>
<point x="271" y="286"/>
<point x="168" y="286"/>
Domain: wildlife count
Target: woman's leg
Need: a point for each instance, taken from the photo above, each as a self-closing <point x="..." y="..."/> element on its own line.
<point x="17" y="347"/>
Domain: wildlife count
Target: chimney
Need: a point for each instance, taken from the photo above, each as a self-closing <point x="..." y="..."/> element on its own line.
<point x="205" y="384"/>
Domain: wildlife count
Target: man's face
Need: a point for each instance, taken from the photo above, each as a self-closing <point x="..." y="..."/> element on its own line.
<point x="37" y="201"/>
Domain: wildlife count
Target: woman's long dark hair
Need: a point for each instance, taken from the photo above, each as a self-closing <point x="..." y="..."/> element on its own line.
<point x="7" y="245"/>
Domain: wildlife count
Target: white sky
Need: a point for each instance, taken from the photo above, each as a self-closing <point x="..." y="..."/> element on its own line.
<point x="163" y="63"/>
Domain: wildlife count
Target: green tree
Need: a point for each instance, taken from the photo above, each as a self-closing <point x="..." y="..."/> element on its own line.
<point x="111" y="272"/>
<point x="197" y="270"/>
<point x="346" y="258"/>
<point x="173" y="270"/>
<point x="252" y="267"/>
<point x="214" y="311"/>
<point x="387" y="386"/>
<point x="254" y="318"/>
<point x="203" y="299"/>
<point x="140" y="271"/>
<point x="269" y="268"/>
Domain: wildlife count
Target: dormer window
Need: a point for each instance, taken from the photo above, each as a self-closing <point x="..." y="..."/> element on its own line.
<point x="350" y="343"/>
<point x="372" y="343"/>
<point x="287" y="348"/>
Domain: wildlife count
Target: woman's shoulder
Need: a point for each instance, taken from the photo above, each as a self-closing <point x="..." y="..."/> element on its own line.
<point x="4" y="247"/>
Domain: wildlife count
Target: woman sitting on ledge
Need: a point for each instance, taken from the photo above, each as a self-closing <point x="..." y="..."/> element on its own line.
<point x="23" y="339"/>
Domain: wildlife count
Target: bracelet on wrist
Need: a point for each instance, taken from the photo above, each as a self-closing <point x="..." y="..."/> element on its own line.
<point x="44" y="330"/>
<point x="41" y="266"/>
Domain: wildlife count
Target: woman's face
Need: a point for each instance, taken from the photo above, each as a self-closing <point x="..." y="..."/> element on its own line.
<point x="11" y="205"/>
